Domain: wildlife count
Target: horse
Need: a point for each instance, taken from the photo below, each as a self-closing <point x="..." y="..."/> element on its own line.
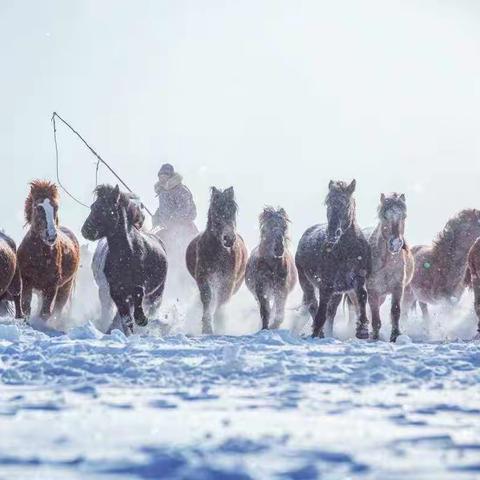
<point x="440" y="268"/>
<point x="473" y="279"/>
<point x="271" y="273"/>
<point x="135" y="264"/>
<point x="10" y="279"/>
<point x="217" y="257"/>
<point x="392" y="262"/>
<point x="49" y="254"/>
<point x="333" y="259"/>
<point x="136" y="216"/>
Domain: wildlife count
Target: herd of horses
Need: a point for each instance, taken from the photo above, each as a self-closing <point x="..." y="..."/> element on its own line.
<point x="334" y="261"/>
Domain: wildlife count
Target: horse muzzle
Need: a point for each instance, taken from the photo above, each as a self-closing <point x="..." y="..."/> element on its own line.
<point x="395" y="245"/>
<point x="228" y="241"/>
<point x="90" y="233"/>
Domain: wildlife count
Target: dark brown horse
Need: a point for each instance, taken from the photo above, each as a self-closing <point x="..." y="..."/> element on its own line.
<point x="271" y="273"/>
<point x="334" y="259"/>
<point x="135" y="263"/>
<point x="49" y="255"/>
<point x="440" y="268"/>
<point x="473" y="279"/>
<point x="10" y="280"/>
<point x="216" y="258"/>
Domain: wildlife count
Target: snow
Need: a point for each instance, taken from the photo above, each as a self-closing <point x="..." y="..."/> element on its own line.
<point x="264" y="405"/>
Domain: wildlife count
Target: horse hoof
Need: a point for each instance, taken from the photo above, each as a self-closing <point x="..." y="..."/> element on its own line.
<point x="375" y="336"/>
<point x="394" y="336"/>
<point x="141" y="321"/>
<point x="318" y="335"/>
<point x="362" y="333"/>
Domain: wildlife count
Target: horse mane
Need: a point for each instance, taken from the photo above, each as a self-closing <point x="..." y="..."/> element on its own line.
<point x="130" y="201"/>
<point x="270" y="213"/>
<point x="39" y="189"/>
<point x="218" y="198"/>
<point x="391" y="200"/>
<point x="444" y="248"/>
<point x="447" y="238"/>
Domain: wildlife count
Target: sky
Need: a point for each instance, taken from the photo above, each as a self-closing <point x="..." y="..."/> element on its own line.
<point x="273" y="97"/>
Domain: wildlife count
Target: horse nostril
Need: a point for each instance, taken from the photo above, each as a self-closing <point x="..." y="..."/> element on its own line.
<point x="338" y="232"/>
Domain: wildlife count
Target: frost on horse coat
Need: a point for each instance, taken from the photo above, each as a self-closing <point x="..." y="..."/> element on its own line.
<point x="271" y="274"/>
<point x="392" y="261"/>
<point x="440" y="268"/>
<point x="49" y="254"/>
<point x="333" y="259"/>
<point x="136" y="263"/>
<point x="216" y="258"/>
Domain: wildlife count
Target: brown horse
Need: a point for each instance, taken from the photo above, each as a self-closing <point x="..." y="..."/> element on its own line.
<point x="473" y="279"/>
<point x="271" y="273"/>
<point x="10" y="280"/>
<point x="392" y="261"/>
<point x="440" y="268"/>
<point x="49" y="255"/>
<point x="217" y="258"/>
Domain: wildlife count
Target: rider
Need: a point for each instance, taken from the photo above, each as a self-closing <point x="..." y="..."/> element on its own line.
<point x="175" y="201"/>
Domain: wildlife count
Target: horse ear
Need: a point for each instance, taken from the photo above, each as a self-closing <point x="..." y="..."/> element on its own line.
<point x="116" y="193"/>
<point x="351" y="187"/>
<point x="382" y="197"/>
<point x="229" y="192"/>
<point x="215" y="191"/>
<point x="330" y="184"/>
<point x="402" y="197"/>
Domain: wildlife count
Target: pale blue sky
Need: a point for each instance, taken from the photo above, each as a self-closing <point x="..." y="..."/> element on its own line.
<point x="273" y="97"/>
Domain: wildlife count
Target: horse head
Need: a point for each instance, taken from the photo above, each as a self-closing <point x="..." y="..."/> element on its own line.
<point x="222" y="216"/>
<point x="41" y="210"/>
<point x="273" y="232"/>
<point x="392" y="213"/>
<point x="110" y="209"/>
<point x="340" y="209"/>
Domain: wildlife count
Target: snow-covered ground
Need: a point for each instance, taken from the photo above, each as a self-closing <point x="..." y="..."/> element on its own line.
<point x="263" y="405"/>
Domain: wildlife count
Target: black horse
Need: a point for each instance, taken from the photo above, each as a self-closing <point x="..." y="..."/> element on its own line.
<point x="334" y="259"/>
<point x="136" y="263"/>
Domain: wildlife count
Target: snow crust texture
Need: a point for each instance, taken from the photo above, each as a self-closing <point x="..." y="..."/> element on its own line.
<point x="268" y="405"/>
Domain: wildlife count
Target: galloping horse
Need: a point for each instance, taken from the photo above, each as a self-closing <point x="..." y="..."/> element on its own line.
<point x="440" y="268"/>
<point x="10" y="280"/>
<point x="137" y="218"/>
<point x="392" y="261"/>
<point x="135" y="264"/>
<point x="334" y="259"/>
<point x="216" y="258"/>
<point x="49" y="255"/>
<point x="271" y="274"/>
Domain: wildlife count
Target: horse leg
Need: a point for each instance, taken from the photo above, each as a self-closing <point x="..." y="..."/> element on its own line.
<point x="206" y="296"/>
<point x="476" y="303"/>
<point x="280" y="298"/>
<point x="15" y="290"/>
<point x="123" y="306"/>
<point x="264" y="305"/>
<point x="138" y="312"/>
<point x="321" y="315"/>
<point x="309" y="297"/>
<point x="48" y="300"/>
<point x="374" y="303"/>
<point x="395" y="313"/>
<point x="424" y="309"/>
<point x="63" y="295"/>
<point x="27" y="291"/>
<point x="331" y="312"/>
<point x="155" y="300"/>
<point x="362" y="321"/>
